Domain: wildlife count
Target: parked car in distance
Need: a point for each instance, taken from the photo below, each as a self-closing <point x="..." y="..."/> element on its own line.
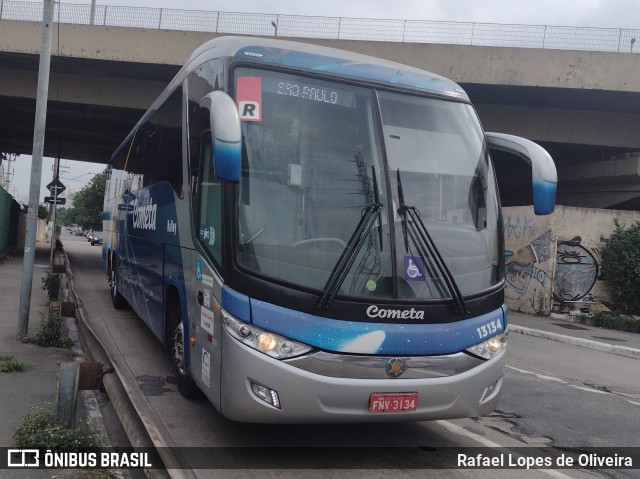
<point x="96" y="238"/>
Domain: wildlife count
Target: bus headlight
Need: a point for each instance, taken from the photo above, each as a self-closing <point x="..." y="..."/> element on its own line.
<point x="490" y="348"/>
<point x="268" y="343"/>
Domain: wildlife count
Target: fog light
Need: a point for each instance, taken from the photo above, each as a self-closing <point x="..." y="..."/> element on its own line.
<point x="487" y="392"/>
<point x="267" y="395"/>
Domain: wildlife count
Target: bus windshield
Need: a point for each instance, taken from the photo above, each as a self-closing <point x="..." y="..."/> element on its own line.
<point x="321" y="158"/>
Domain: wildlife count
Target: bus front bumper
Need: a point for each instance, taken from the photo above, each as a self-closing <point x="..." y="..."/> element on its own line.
<point x="309" y="397"/>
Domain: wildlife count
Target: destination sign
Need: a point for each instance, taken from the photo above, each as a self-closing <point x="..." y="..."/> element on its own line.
<point x="309" y="91"/>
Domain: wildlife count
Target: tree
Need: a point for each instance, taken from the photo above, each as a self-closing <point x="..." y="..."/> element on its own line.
<point x="43" y="212"/>
<point x="621" y="268"/>
<point x="61" y="216"/>
<point x="87" y="204"/>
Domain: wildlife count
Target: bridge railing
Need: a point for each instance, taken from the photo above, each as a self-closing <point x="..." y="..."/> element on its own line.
<point x="342" y="28"/>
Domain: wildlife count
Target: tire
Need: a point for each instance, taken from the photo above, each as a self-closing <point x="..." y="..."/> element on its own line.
<point x="117" y="299"/>
<point x="186" y="385"/>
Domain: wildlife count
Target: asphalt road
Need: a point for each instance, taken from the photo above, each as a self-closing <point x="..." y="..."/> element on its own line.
<point x="555" y="394"/>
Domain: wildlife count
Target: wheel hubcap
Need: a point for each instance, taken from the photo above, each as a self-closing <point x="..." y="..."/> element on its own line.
<point x="114" y="283"/>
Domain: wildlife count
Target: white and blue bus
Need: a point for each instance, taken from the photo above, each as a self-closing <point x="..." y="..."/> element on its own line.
<point x="316" y="235"/>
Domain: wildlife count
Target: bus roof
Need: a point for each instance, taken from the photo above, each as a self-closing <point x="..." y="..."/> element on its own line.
<point x="328" y="60"/>
<point x="310" y="57"/>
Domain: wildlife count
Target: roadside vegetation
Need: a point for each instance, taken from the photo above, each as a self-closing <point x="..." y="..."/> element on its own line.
<point x="87" y="205"/>
<point x="49" y="335"/>
<point x="610" y="320"/>
<point x="43" y="213"/>
<point x="621" y="268"/>
<point x="9" y="364"/>
<point x="50" y="283"/>
<point x="40" y="429"/>
<point x="621" y="275"/>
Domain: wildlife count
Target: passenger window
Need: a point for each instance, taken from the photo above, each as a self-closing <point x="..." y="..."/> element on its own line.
<point x="210" y="203"/>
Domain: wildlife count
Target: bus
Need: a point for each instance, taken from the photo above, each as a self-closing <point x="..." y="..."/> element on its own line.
<point x="316" y="235"/>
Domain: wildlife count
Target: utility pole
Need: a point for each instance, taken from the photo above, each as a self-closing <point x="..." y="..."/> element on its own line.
<point x="36" y="167"/>
<point x="56" y="172"/>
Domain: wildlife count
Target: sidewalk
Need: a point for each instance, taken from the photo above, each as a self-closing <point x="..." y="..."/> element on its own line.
<point x="570" y="332"/>
<point x="21" y="391"/>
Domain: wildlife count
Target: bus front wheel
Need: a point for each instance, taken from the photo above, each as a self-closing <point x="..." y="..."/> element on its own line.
<point x="185" y="384"/>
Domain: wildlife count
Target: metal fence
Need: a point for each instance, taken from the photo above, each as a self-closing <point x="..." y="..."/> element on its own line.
<point x="414" y="31"/>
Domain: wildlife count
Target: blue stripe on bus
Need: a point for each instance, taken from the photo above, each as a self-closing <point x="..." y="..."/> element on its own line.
<point x="227" y="159"/>
<point x="388" y="74"/>
<point x="377" y="338"/>
<point x="544" y="197"/>
<point x="236" y="304"/>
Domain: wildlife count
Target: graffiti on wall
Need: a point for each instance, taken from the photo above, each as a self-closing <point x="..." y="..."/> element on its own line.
<point x="577" y="271"/>
<point x="571" y="278"/>
<point x="520" y="228"/>
<point x="522" y="266"/>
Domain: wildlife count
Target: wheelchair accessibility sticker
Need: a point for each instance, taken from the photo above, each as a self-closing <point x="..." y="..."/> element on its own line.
<point x="199" y="270"/>
<point x="413" y="268"/>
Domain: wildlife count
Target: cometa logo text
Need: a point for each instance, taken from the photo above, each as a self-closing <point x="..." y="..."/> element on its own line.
<point x="144" y="216"/>
<point x="374" y="311"/>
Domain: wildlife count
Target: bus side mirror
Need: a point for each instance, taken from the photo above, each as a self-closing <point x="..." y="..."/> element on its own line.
<point x="226" y="135"/>
<point x="543" y="169"/>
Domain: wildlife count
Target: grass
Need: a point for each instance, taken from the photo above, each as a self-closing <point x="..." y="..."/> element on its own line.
<point x="9" y="364"/>
<point x="41" y="430"/>
<point x="609" y="320"/>
<point x="50" y="334"/>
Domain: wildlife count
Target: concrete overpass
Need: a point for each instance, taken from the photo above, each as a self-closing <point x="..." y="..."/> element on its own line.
<point x="584" y="107"/>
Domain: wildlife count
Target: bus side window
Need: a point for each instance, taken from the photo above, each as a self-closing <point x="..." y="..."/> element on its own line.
<point x="209" y="202"/>
<point x="198" y="123"/>
<point x="202" y="81"/>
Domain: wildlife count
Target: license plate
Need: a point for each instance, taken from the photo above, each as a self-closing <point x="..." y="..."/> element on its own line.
<point x="393" y="402"/>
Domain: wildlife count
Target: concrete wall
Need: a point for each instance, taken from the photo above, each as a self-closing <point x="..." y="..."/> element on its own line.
<point x="461" y="63"/>
<point x="553" y="262"/>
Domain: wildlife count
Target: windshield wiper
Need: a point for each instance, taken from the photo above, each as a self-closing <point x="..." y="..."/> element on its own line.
<point x="348" y="256"/>
<point x="402" y="212"/>
<point x="376" y="200"/>
<point x="421" y="237"/>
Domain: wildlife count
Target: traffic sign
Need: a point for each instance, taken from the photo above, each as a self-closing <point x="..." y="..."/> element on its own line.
<point x="56" y="187"/>
<point x="52" y="200"/>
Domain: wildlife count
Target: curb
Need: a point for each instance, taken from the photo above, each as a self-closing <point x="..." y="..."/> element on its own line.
<point x="137" y="427"/>
<point x="585" y="343"/>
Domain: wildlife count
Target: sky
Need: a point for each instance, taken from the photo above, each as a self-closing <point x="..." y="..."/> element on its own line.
<point x="583" y="13"/>
<point x="74" y="175"/>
